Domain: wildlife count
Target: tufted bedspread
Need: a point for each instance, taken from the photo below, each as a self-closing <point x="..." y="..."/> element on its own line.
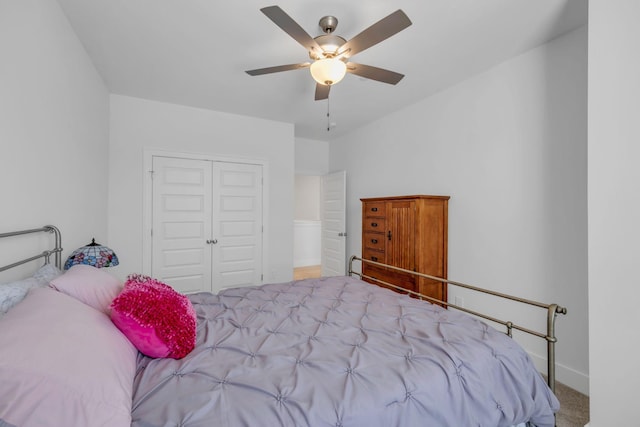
<point x="339" y="352"/>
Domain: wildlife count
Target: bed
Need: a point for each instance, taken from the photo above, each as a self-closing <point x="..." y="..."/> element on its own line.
<point x="334" y="351"/>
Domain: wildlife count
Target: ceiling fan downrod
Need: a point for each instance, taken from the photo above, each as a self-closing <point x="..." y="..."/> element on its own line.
<point x="328" y="24"/>
<point x="328" y="42"/>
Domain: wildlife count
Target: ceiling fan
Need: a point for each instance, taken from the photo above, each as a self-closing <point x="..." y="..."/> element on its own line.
<point x="330" y="53"/>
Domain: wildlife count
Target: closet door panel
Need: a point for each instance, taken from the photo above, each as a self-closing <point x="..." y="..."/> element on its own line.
<point x="181" y="223"/>
<point x="237" y="225"/>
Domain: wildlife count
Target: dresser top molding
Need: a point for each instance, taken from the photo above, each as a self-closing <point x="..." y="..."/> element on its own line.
<point x="420" y="196"/>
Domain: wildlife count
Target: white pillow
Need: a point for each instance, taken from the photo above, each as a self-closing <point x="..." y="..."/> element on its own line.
<point x="46" y="273"/>
<point x="14" y="292"/>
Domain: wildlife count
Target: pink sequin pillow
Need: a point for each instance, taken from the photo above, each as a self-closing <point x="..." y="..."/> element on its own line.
<point x="158" y="321"/>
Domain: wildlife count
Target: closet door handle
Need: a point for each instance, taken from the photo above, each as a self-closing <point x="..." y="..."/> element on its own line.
<point x="212" y="242"/>
<point x="389" y="234"/>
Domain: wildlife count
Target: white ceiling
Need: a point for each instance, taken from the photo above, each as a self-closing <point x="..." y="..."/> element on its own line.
<point x="195" y="52"/>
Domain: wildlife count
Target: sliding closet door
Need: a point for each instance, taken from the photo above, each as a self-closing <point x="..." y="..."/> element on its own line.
<point x="237" y="225"/>
<point x="181" y="223"/>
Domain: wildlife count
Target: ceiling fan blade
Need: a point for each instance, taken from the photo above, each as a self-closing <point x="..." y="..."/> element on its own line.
<point x="376" y="33"/>
<point x="374" y="73"/>
<point x="322" y="91"/>
<point x="291" y="27"/>
<point x="277" y="69"/>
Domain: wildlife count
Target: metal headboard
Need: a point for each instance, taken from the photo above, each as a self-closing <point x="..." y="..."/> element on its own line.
<point x="552" y="310"/>
<point x="56" y="251"/>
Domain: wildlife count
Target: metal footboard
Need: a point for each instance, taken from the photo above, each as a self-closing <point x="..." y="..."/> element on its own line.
<point x="552" y="310"/>
<point x="56" y="250"/>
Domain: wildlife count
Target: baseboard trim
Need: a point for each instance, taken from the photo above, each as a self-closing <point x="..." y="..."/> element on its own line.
<point x="567" y="376"/>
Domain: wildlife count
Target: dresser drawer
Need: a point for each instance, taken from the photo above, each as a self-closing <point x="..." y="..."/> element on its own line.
<point x="374" y="209"/>
<point x="373" y="255"/>
<point x="374" y="224"/>
<point x="373" y="241"/>
<point x="402" y="280"/>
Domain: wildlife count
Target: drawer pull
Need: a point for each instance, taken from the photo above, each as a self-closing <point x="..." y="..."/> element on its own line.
<point x="374" y="241"/>
<point x="374" y="224"/>
<point x="374" y="209"/>
<point x="374" y="258"/>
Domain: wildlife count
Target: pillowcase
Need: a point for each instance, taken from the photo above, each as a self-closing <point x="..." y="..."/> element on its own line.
<point x="46" y="274"/>
<point x="88" y="284"/>
<point x="159" y="321"/>
<point x="62" y="363"/>
<point x="11" y="294"/>
<point x="14" y="292"/>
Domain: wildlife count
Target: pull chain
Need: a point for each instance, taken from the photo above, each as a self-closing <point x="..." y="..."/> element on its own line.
<point x="328" y="115"/>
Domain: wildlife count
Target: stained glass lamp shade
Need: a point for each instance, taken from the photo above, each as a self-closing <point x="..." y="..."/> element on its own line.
<point x="93" y="254"/>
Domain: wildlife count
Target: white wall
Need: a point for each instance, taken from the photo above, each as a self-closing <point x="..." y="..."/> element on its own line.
<point x="307" y="197"/>
<point x="311" y="157"/>
<point x="53" y="129"/>
<point x="307" y="243"/>
<point x="137" y="124"/>
<point x="614" y="211"/>
<point x="509" y="147"/>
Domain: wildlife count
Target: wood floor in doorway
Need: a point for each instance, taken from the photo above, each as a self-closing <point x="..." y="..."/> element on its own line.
<point x="308" y="272"/>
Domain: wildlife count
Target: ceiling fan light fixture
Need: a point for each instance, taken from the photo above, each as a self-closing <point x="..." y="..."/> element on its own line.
<point x="328" y="71"/>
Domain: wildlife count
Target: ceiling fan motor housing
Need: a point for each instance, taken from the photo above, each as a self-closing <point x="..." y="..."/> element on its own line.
<point x="329" y="43"/>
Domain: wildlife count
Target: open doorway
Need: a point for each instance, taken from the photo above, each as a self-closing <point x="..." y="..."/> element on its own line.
<point x="307" y="227"/>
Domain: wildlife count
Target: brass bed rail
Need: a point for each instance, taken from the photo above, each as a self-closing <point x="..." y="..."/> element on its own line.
<point x="552" y="310"/>
<point x="56" y="250"/>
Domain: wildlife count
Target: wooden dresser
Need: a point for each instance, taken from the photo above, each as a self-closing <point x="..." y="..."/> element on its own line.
<point x="409" y="232"/>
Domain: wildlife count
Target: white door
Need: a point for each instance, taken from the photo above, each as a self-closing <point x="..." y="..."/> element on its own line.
<point x="181" y="223"/>
<point x="206" y="223"/>
<point x="237" y="226"/>
<point x="334" y="198"/>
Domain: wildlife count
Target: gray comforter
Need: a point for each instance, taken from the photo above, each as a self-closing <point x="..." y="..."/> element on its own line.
<point x="339" y="352"/>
